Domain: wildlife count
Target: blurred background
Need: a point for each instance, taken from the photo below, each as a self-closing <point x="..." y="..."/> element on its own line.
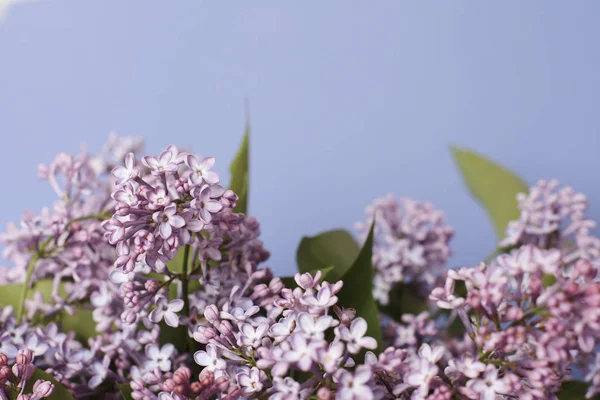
<point x="348" y="100"/>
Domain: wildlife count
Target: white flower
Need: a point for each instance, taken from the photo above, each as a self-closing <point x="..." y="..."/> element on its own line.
<point x="353" y="386"/>
<point x="159" y="358"/>
<point x="209" y="359"/>
<point x="100" y="370"/>
<point x="355" y="336"/>
<point x="314" y="328"/>
<point x="488" y="386"/>
<point x="166" y="310"/>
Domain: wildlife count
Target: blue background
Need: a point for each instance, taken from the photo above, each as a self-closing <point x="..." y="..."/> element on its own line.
<point x="348" y="100"/>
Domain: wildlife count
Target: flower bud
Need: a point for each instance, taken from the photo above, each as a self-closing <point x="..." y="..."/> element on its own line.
<point x="324" y="394"/>
<point x="151" y="286"/>
<point x="203" y="334"/>
<point x="128" y="316"/>
<point x="226" y="328"/>
<point x="182" y="375"/>
<point x="222" y="383"/>
<point x="211" y="313"/>
<point x="196" y="388"/>
<point x="168" y="385"/>
<point x="43" y="388"/>
<point x="3" y="359"/>
<point x="24" y="357"/>
<point x="5" y="372"/>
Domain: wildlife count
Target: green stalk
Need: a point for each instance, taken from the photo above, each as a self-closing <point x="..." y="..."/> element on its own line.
<point x="185" y="281"/>
<point x="30" y="267"/>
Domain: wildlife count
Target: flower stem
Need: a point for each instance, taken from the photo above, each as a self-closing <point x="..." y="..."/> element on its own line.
<point x="185" y="281"/>
<point x="30" y="267"/>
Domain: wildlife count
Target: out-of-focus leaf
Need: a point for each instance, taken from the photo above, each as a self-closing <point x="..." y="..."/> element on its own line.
<point x="81" y="322"/>
<point x="176" y="264"/>
<point x="494" y="186"/>
<point x="335" y="249"/>
<point x="178" y="337"/>
<point x="240" y="171"/>
<point x="574" y="390"/>
<point x="60" y="392"/>
<point x="548" y="280"/>
<point x="357" y="291"/>
<point x="403" y="300"/>
<point x="125" y="390"/>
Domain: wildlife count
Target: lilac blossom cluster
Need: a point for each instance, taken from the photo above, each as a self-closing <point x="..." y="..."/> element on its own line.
<point x="171" y="279"/>
<point x="411" y="244"/>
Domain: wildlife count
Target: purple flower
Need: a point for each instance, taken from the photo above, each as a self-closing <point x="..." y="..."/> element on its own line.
<point x="167" y="310"/>
<point x="126" y="173"/>
<point x="355" y="336"/>
<point x="354" y="386"/>
<point x="209" y="359"/>
<point x="201" y="170"/>
<point x="164" y="163"/>
<point x="167" y="220"/>
<point x="159" y="358"/>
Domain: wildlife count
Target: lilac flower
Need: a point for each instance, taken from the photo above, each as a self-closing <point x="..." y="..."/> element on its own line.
<point x="167" y="310"/>
<point x="205" y="204"/>
<point x="126" y="173"/>
<point x="250" y="381"/>
<point x="422" y="377"/>
<point x="167" y="220"/>
<point x="100" y="371"/>
<point x="314" y="328"/>
<point x="161" y="164"/>
<point x="201" y="170"/>
<point x="353" y="386"/>
<point x="300" y="353"/>
<point x="159" y="358"/>
<point x="355" y="336"/>
<point x="209" y="359"/>
<point x="490" y="385"/>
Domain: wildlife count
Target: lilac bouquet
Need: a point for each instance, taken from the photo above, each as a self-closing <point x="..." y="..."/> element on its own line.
<point x="146" y="280"/>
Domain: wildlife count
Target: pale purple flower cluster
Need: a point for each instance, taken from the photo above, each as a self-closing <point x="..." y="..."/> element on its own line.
<point x="410" y="244"/>
<point x="260" y="339"/>
<point x="553" y="217"/>
<point x="171" y="279"/>
<point x="528" y="316"/>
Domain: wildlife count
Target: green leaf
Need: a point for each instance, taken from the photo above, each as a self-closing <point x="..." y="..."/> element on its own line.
<point x="240" y="167"/>
<point x="81" y="322"/>
<point x="335" y="248"/>
<point x="357" y="291"/>
<point x="60" y="392"/>
<point x="125" y="390"/>
<point x="548" y="280"/>
<point x="494" y="186"/>
<point x="403" y="300"/>
<point x="573" y="390"/>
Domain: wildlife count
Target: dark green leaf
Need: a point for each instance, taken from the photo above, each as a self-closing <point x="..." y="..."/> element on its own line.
<point x="125" y="390"/>
<point x="240" y="170"/>
<point x="60" y="392"/>
<point x="494" y="186"/>
<point x="288" y="281"/>
<point x="573" y="390"/>
<point x="177" y="336"/>
<point x="403" y="300"/>
<point x="357" y="291"/>
<point x="335" y="248"/>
